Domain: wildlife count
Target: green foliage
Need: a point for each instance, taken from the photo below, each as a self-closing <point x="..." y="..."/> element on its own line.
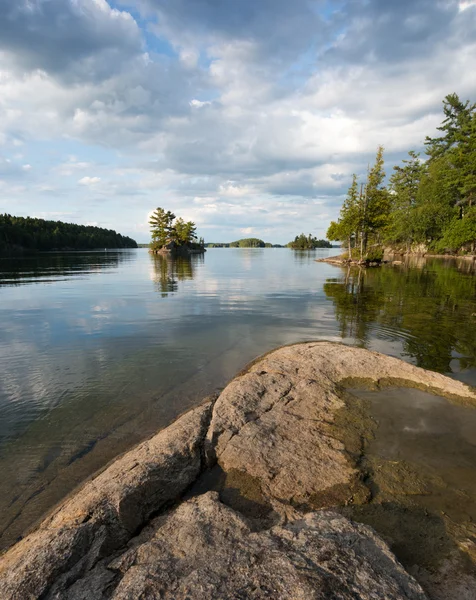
<point x="459" y="233"/>
<point x="404" y="186"/>
<point x="33" y="234"/>
<point x="428" y="202"/>
<point x="345" y="230"/>
<point x="374" y="254"/>
<point x="248" y="243"/>
<point x="308" y="242"/>
<point x="376" y="199"/>
<point x="166" y="229"/>
<point x="365" y="213"/>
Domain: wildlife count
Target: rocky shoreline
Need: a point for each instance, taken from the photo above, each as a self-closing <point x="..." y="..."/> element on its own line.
<point x="393" y="259"/>
<point x="247" y="496"/>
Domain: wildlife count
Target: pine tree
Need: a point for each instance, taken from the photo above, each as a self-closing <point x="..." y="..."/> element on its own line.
<point x="345" y="230"/>
<point x="404" y="186"/>
<point x="374" y="203"/>
<point x="161" y="225"/>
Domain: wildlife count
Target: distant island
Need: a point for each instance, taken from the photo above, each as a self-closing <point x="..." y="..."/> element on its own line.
<point x="244" y="243"/>
<point x="27" y="234"/>
<point x="300" y="242"/>
<point x="172" y="235"/>
<point x="308" y="242"/>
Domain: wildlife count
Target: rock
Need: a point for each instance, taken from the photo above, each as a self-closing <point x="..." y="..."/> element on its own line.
<point x="206" y="551"/>
<point x="266" y="422"/>
<point x="106" y="512"/>
<point x="285" y="433"/>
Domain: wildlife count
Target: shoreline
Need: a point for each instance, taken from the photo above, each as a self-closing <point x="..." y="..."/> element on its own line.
<point x="257" y="433"/>
<point x="391" y="258"/>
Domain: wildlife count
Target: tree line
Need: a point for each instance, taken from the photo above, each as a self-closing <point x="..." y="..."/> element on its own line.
<point x="429" y="201"/>
<point x="32" y="234"/>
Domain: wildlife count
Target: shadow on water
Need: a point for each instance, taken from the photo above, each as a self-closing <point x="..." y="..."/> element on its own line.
<point x="169" y="271"/>
<point x="429" y="308"/>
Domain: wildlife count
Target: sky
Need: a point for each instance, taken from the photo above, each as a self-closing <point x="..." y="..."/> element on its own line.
<point x="247" y="117"/>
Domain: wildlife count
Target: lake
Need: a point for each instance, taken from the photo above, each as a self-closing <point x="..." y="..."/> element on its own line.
<point x="99" y="350"/>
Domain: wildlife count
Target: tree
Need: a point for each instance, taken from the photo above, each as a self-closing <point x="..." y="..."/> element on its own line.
<point x="183" y="232"/>
<point x="161" y="225"/>
<point x="425" y="200"/>
<point x="374" y="203"/>
<point x="166" y="229"/>
<point x="404" y="186"/>
<point x="345" y="230"/>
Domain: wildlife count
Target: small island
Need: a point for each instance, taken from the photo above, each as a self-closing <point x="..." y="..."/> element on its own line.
<point x="172" y="235"/>
<point x="308" y="242"/>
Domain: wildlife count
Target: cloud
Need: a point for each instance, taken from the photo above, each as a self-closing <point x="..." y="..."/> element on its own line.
<point x="236" y="114"/>
<point x="76" y="41"/>
<point x="89" y="181"/>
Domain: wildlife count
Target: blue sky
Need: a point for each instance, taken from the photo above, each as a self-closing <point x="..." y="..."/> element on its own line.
<point x="248" y="117"/>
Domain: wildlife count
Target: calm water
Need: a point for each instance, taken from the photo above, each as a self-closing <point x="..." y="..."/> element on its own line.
<point x="99" y="350"/>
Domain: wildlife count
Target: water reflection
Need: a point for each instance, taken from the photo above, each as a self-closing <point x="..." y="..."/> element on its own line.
<point x="54" y="266"/>
<point x="429" y="308"/>
<point x="168" y="271"/>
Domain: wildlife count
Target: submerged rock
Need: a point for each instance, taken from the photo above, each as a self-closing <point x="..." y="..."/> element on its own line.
<point x="287" y="441"/>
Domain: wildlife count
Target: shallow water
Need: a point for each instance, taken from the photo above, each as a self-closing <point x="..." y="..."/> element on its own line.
<point x="436" y="437"/>
<point x="420" y="468"/>
<point x="99" y="350"/>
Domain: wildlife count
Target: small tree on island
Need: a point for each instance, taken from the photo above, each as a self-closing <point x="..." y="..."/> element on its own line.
<point x="169" y="232"/>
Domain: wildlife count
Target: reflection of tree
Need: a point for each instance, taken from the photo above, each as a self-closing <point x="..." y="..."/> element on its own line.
<point x="169" y="271"/>
<point x="429" y="309"/>
<point x="54" y="265"/>
<point x="356" y="304"/>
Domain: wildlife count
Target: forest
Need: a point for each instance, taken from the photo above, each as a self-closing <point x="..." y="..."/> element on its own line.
<point x="32" y="235"/>
<point x="429" y="203"/>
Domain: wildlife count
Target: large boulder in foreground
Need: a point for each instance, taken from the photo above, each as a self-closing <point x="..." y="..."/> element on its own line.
<point x="286" y="421"/>
<point x="288" y="438"/>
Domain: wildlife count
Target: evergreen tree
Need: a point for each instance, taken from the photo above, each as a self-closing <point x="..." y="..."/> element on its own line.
<point x="404" y="186"/>
<point x="346" y="229"/>
<point x="161" y="225"/>
<point x="166" y="229"/>
<point x="374" y="203"/>
<point x="432" y="202"/>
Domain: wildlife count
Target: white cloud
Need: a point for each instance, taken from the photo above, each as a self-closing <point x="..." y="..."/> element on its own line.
<point x="243" y="114"/>
<point x="466" y="4"/>
<point x="89" y="181"/>
<point x="199" y="103"/>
